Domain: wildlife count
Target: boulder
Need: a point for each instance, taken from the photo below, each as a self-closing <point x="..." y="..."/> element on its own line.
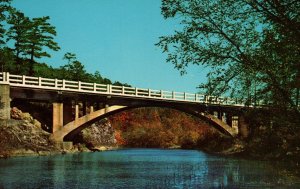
<point x="16" y="113"/>
<point x="37" y="123"/>
<point x="99" y="134"/>
<point x="27" y="116"/>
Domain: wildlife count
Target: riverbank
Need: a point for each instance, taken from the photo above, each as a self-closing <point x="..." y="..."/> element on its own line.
<point x="24" y="136"/>
<point x="22" y="139"/>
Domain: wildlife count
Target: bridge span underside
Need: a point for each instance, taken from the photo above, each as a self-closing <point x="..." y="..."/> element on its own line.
<point x="93" y="107"/>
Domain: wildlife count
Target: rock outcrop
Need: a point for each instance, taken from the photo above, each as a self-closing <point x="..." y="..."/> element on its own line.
<point x="99" y="136"/>
<point x="23" y="135"/>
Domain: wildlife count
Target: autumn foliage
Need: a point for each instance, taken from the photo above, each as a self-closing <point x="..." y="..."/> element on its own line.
<point x="120" y="140"/>
<point x="159" y="127"/>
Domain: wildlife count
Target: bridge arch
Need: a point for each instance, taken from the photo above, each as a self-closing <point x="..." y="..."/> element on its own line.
<point x="78" y="124"/>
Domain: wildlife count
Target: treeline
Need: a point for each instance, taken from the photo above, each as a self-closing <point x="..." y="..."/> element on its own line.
<point x="24" y="41"/>
<point x="163" y="128"/>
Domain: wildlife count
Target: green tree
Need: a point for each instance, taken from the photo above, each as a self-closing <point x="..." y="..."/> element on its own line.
<point x="6" y="60"/>
<point x="97" y="78"/>
<point x="4" y="8"/>
<point x="74" y="70"/>
<point x="233" y="38"/>
<point x="70" y="57"/>
<point x="39" y="36"/>
<point x="20" y="25"/>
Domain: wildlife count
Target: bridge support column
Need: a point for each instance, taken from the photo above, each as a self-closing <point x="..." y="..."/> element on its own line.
<point x="91" y="109"/>
<point x="106" y="108"/>
<point x="4" y="102"/>
<point x="216" y="114"/>
<point x="224" y="118"/>
<point x="243" y="127"/>
<point x="235" y="123"/>
<point x="67" y="112"/>
<point x="76" y="111"/>
<point x="58" y="120"/>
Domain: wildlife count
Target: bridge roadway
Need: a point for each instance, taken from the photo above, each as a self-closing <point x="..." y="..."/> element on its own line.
<point x="104" y="100"/>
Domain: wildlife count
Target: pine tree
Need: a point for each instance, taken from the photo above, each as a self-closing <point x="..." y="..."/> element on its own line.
<point x="40" y="35"/>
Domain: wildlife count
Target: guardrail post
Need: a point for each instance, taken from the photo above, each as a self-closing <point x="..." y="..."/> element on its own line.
<point x="23" y="79"/>
<point x="63" y="83"/>
<point x="55" y="83"/>
<point x="40" y="81"/>
<point x="123" y="90"/>
<point x="7" y="77"/>
<point x="149" y="92"/>
<point x="95" y="87"/>
<point x="136" y="91"/>
<point x="79" y="85"/>
<point x="109" y="88"/>
<point x="173" y="95"/>
<point x="161" y="93"/>
<point x="184" y="95"/>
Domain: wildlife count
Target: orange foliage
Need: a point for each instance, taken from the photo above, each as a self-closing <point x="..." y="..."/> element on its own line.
<point x="120" y="140"/>
<point x="159" y="127"/>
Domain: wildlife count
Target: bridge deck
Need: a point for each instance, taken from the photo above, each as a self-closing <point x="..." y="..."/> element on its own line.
<point x="96" y="88"/>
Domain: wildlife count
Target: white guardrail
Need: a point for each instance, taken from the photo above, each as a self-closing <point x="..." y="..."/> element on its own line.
<point x="95" y="88"/>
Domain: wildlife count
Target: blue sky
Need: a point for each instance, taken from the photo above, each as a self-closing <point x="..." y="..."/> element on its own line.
<point x="115" y="37"/>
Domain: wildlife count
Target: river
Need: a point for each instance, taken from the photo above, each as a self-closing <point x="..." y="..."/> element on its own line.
<point x="141" y="168"/>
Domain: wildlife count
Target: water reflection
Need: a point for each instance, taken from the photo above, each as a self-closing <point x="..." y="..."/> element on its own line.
<point x="140" y="168"/>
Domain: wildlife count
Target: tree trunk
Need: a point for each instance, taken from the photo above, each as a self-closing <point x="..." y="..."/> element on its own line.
<point x="31" y="63"/>
<point x="18" y="64"/>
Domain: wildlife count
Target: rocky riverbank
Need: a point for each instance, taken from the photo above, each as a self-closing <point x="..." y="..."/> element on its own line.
<point x="24" y="136"/>
<point x="97" y="137"/>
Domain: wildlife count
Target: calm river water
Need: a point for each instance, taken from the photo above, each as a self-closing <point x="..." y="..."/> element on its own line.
<point x="141" y="168"/>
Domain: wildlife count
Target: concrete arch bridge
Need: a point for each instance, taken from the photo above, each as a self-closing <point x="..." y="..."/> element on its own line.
<point x="76" y="104"/>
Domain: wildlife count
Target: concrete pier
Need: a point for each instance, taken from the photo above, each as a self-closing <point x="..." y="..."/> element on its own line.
<point x="58" y="121"/>
<point x="4" y="102"/>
